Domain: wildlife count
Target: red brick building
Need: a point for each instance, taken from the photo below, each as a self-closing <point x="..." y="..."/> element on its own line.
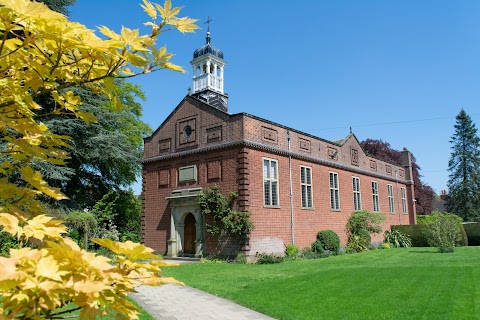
<point x="294" y="184"/>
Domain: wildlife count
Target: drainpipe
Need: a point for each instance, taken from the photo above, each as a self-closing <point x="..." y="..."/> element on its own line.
<point x="398" y="199"/>
<point x="291" y="188"/>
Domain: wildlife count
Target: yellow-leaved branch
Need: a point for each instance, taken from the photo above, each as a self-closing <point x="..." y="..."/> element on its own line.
<point x="43" y="56"/>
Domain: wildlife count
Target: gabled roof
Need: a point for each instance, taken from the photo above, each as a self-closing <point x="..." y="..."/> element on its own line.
<point x="199" y="103"/>
<point x="205" y="106"/>
<point x="336" y="142"/>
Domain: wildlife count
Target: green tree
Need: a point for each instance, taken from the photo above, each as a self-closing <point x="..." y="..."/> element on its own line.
<point x="443" y="231"/>
<point x="105" y="155"/>
<point x="59" y="5"/>
<point x="464" y="168"/>
<point x="42" y="54"/>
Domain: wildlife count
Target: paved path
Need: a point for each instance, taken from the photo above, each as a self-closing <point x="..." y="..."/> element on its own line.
<point x="174" y="302"/>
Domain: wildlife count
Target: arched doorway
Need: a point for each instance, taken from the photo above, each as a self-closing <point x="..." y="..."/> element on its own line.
<point x="190" y="234"/>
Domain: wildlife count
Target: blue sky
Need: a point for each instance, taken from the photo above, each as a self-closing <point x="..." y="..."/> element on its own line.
<point x="399" y="71"/>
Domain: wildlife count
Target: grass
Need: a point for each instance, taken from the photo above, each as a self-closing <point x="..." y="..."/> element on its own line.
<point x="407" y="283"/>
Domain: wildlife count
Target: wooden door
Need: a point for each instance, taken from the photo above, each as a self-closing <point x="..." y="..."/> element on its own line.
<point x="190" y="234"/>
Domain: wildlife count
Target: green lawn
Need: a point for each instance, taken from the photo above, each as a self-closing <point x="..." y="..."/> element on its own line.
<point x="407" y="283"/>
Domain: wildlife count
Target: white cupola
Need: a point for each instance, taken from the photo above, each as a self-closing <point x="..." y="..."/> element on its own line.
<point x="208" y="75"/>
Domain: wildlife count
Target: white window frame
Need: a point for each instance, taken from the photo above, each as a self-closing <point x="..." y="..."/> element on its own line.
<point x="375" y="197"/>
<point x="357" y="194"/>
<point x="334" y="191"/>
<point x="271" y="181"/>
<point x="391" y="200"/>
<point x="306" y="187"/>
<point x="404" y="200"/>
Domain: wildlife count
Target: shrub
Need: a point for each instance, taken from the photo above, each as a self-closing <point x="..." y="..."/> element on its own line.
<point x="317" y="247"/>
<point x="241" y="258"/>
<point x="365" y="236"/>
<point x="309" y="254"/>
<point x="329" y="240"/>
<point x="365" y="220"/>
<point x="397" y="238"/>
<point x="472" y="229"/>
<point x="356" y="243"/>
<point x="268" y="258"/>
<point x="415" y="232"/>
<point x="443" y="230"/>
<point x="291" y="250"/>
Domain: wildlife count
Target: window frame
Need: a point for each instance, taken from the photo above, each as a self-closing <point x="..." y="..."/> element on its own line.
<point x="357" y="193"/>
<point x="375" y="196"/>
<point x="307" y="186"/>
<point x="271" y="181"/>
<point x="404" y="200"/>
<point x="391" y="199"/>
<point x="334" y="191"/>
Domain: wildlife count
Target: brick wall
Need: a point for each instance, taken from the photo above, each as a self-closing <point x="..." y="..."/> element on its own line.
<point x="210" y="127"/>
<point x="156" y="214"/>
<point x="273" y="225"/>
<point x="228" y="151"/>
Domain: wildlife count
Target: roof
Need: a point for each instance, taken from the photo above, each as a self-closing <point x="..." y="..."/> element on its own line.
<point x="208" y="49"/>
<point x="210" y="108"/>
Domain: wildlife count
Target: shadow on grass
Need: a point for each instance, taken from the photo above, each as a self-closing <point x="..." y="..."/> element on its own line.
<point x="423" y="251"/>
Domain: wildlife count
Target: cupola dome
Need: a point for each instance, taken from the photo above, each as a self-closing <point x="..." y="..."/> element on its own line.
<point x="208" y="49"/>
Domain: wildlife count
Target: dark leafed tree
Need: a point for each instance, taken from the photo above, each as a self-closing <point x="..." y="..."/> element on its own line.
<point x="59" y="5"/>
<point x="105" y="155"/>
<point x="424" y="194"/>
<point x="464" y="168"/>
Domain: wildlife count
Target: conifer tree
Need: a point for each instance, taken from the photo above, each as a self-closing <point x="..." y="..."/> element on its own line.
<point x="464" y="168"/>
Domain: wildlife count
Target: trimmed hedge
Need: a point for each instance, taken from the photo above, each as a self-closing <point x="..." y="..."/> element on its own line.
<point x="473" y="233"/>
<point x="415" y="232"/>
<point x="464" y="241"/>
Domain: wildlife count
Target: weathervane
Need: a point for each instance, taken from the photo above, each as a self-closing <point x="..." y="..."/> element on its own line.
<point x="208" y="23"/>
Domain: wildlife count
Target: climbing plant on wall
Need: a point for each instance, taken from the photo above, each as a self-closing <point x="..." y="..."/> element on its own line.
<point x="224" y="218"/>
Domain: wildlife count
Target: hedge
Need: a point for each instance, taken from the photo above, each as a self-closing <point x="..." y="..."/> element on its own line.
<point x="473" y="233"/>
<point x="464" y="241"/>
<point x="414" y="231"/>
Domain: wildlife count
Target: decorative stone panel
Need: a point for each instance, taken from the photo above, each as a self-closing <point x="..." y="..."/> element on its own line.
<point x="401" y="173"/>
<point x="354" y="155"/>
<point x="214" y="170"/>
<point x="304" y="144"/>
<point x="187" y="131"/>
<point x="388" y="169"/>
<point x="332" y="153"/>
<point x="163" y="178"/>
<point x="164" y="145"/>
<point x="373" y="165"/>
<point x="214" y="134"/>
<point x="269" y="135"/>
<point x="188" y="173"/>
